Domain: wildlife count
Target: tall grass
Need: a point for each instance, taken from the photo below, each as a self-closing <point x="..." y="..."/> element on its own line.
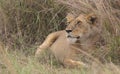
<point x="18" y="63"/>
<point x="5" y="62"/>
<point x="108" y="12"/>
<point x="25" y="23"/>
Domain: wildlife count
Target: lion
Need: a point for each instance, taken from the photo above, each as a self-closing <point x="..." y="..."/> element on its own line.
<point x="82" y="32"/>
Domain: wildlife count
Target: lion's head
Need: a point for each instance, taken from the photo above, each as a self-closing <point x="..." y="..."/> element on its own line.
<point x="80" y="27"/>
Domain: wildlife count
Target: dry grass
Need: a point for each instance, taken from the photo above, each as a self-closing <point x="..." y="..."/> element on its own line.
<point x="20" y="64"/>
<point x="5" y="61"/>
<point x="108" y="12"/>
<point x="25" y="23"/>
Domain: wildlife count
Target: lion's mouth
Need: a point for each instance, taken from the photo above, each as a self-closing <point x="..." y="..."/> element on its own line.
<point x="72" y="39"/>
<point x="69" y="36"/>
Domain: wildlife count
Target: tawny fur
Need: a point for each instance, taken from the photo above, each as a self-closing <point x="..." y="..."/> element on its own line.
<point x="84" y="34"/>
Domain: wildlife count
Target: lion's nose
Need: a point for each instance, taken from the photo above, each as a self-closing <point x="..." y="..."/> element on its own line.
<point x="68" y="31"/>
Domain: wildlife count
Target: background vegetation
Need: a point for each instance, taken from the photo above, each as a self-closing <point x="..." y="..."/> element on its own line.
<point x="25" y="23"/>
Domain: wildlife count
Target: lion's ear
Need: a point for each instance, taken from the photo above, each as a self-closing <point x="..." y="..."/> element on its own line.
<point x="91" y="18"/>
<point x="70" y="17"/>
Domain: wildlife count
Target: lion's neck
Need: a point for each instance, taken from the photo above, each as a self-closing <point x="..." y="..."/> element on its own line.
<point x="88" y="43"/>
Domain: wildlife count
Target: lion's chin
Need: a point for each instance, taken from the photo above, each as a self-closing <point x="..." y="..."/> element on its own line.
<point x="72" y="40"/>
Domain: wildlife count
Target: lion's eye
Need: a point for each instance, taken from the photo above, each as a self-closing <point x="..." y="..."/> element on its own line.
<point x="68" y="23"/>
<point x="78" y="22"/>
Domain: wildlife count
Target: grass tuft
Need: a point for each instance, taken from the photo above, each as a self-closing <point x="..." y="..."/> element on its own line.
<point x="24" y="25"/>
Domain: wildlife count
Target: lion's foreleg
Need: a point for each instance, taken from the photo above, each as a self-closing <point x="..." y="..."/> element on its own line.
<point x="72" y="63"/>
<point x="48" y="42"/>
